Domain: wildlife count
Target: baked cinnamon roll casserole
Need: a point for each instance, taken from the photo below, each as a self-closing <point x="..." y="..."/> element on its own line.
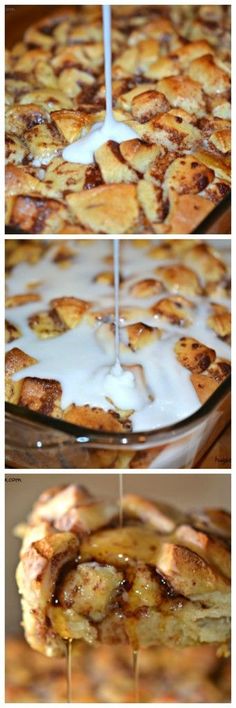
<point x="162" y="578"/>
<point x="171" y="84"/>
<point x="174" y="330"/>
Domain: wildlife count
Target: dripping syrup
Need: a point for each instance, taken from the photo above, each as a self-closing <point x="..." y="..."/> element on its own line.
<point x="136" y="674"/>
<point x="69" y="669"/>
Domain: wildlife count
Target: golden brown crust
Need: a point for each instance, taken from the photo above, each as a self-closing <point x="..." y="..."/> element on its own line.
<point x="179" y="279"/>
<point x="11" y="332"/>
<point x="95" y="418"/>
<point x="205" y="262"/>
<point x="20" y="300"/>
<point x="220" y="321"/>
<point x="206" y="383"/>
<point x="175" y="309"/>
<point x="15" y="360"/>
<point x="91" y="208"/>
<point x="146" y="288"/>
<point x="194" y="355"/>
<point x="41" y="395"/>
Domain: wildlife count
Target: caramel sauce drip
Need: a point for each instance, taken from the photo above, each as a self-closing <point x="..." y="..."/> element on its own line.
<point x="136" y="675"/>
<point x="120" y="500"/>
<point x="69" y="669"/>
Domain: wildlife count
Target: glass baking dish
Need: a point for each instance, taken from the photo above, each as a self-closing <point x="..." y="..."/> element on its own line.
<point x="17" y="19"/>
<point x="37" y="441"/>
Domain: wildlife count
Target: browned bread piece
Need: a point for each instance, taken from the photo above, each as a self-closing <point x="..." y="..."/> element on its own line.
<point x="220" y="321"/>
<point x="96" y="418"/>
<point x="162" y="578"/>
<point x="11" y="332"/>
<point x="41" y="395"/>
<point x="175" y="309"/>
<point x="179" y="279"/>
<point x="208" y="371"/>
<point x="194" y="355"/>
<point x="15" y="360"/>
<point x="207" y="382"/>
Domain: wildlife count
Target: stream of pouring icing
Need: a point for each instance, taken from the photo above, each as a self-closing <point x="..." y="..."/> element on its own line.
<point x="120" y="384"/>
<point x="120" y="499"/>
<point x="116" y="260"/>
<point x="82" y="151"/>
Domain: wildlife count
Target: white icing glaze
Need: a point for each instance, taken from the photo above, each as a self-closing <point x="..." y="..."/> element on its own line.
<point x="122" y="389"/>
<point x="116" y="259"/>
<point x="82" y="362"/>
<point x="120" y="385"/>
<point x="82" y="150"/>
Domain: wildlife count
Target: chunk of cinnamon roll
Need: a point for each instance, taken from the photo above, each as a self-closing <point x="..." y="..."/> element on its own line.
<point x="161" y="579"/>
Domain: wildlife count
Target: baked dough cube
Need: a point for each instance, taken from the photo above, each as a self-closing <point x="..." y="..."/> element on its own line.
<point x="220" y="321"/>
<point x="145" y="591"/>
<point x="70" y="310"/>
<point x="20" y="300"/>
<point x="90" y="589"/>
<point x="20" y="118"/>
<point x="99" y="209"/>
<point x="55" y="502"/>
<point x="146" y="288"/>
<point x="151" y="200"/>
<point x="43" y="143"/>
<point x="141" y="335"/>
<point x="15" y="149"/>
<point x="148" y="104"/>
<point x="212" y="78"/>
<point x="139" y="155"/>
<point x="205" y="262"/>
<point x="159" y="516"/>
<point x="15" y="360"/>
<point x="221" y="139"/>
<point x="190" y="574"/>
<point x="106" y="277"/>
<point x="46" y="324"/>
<point x="41" y="395"/>
<point x="95" y="418"/>
<point x="36" y="577"/>
<point x="179" y="279"/>
<point x="176" y="309"/>
<point x="112" y="164"/>
<point x="28" y="252"/>
<point x="182" y="92"/>
<point x="186" y="174"/>
<point x="11" y="332"/>
<point x="205" y="384"/>
<point x="118" y="547"/>
<point x="88" y="516"/>
<point x="207" y="547"/>
<point x="71" y="124"/>
<point x="36" y="214"/>
<point x="194" y="355"/>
